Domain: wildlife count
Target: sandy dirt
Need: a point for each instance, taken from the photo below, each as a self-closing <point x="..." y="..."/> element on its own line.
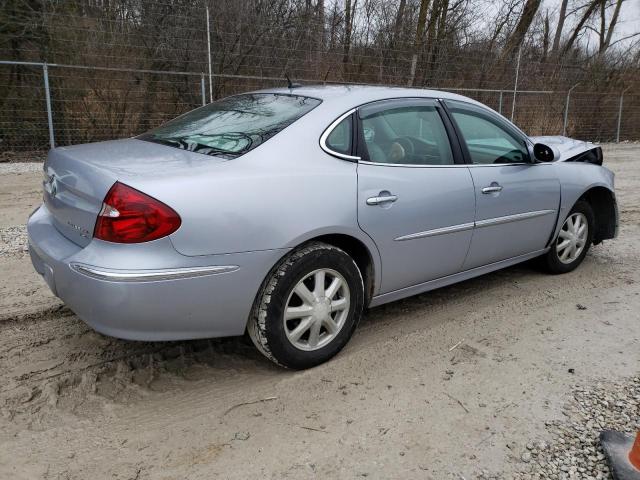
<point x="450" y="384"/>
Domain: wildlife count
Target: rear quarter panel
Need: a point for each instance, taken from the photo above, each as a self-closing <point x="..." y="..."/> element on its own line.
<point x="277" y="196"/>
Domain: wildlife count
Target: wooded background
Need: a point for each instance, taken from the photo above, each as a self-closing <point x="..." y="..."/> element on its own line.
<point x="144" y="61"/>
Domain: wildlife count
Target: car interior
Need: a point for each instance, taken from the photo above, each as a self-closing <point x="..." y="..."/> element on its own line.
<point x="407" y="135"/>
<point x="487" y="143"/>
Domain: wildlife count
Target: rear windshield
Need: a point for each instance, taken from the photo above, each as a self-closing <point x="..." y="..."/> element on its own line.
<point x="232" y="126"/>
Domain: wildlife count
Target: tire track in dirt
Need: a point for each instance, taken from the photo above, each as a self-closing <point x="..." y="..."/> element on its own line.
<point x="52" y="360"/>
<point x="53" y="355"/>
<point x="200" y="394"/>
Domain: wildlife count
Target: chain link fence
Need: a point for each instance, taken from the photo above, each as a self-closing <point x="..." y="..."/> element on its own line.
<point x="119" y="68"/>
<point x="88" y="104"/>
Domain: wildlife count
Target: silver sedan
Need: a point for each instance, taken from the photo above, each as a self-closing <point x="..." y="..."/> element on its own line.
<point x="285" y="213"/>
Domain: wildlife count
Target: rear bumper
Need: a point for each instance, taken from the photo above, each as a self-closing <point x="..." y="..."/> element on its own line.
<point x="148" y="291"/>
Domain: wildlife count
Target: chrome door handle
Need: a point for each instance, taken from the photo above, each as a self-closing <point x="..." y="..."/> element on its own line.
<point x="382" y="200"/>
<point x="492" y="189"/>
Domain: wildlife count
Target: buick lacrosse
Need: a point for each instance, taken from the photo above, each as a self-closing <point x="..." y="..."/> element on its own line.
<point x="284" y="213"/>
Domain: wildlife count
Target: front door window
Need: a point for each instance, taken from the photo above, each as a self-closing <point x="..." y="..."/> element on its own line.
<point x="488" y="142"/>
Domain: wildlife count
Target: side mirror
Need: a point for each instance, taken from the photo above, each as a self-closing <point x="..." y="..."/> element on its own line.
<point x="545" y="153"/>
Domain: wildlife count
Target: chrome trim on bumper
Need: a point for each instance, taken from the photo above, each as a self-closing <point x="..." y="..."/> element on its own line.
<point x="512" y="218"/>
<point x="436" y="231"/>
<point x="151" y="275"/>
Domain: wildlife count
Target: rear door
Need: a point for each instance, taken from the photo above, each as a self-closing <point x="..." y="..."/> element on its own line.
<point x="415" y="197"/>
<point x="517" y="200"/>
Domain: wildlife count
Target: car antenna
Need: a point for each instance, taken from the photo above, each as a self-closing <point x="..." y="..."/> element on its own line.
<point x="291" y="84"/>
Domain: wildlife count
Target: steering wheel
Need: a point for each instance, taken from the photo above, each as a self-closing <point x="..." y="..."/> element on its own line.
<point x="400" y="148"/>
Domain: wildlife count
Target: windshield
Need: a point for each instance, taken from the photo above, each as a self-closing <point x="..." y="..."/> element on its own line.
<point x="232" y="126"/>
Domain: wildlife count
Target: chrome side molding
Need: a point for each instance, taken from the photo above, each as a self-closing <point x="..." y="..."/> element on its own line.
<point x="150" y="275"/>
<point x="479" y="224"/>
<point x="436" y="231"/>
<point x="513" y="218"/>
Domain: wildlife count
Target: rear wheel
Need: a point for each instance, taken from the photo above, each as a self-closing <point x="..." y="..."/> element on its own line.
<point x="308" y="307"/>
<point x="573" y="241"/>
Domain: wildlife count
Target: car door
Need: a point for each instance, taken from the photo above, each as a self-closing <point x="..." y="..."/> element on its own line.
<point x="517" y="199"/>
<point x="415" y="195"/>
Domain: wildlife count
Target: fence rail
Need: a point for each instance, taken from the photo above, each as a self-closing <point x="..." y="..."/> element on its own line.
<point x="81" y="103"/>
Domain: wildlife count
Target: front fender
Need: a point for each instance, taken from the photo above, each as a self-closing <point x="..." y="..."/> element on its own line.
<point x="576" y="179"/>
<point x="568" y="148"/>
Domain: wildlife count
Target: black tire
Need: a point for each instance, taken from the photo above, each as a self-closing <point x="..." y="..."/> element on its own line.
<point x="551" y="260"/>
<point x="266" y="326"/>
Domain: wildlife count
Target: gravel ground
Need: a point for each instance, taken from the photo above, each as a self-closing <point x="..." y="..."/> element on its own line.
<point x="508" y="376"/>
<point x="13" y="240"/>
<point x="24" y="167"/>
<point x="575" y="451"/>
<point x="23" y="157"/>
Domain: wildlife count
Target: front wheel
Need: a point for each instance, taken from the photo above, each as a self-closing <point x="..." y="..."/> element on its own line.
<point x="573" y="241"/>
<point x="308" y="307"/>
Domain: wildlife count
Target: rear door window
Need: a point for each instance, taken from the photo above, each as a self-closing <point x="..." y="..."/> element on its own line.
<point x="234" y="125"/>
<point x="410" y="135"/>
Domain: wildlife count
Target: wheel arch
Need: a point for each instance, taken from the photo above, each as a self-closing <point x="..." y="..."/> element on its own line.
<point x="359" y="246"/>
<point x="603" y="202"/>
<point x="594" y="184"/>
<point x="360" y="253"/>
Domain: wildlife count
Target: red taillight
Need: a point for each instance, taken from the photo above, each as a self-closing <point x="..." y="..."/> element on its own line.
<point x="130" y="216"/>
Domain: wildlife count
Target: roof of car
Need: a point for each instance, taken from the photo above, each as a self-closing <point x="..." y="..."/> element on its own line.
<point x="341" y="98"/>
<point x="359" y="94"/>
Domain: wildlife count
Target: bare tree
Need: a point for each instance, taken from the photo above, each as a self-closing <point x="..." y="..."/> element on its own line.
<point x="545" y="37"/>
<point x="589" y="11"/>
<point x="349" y="10"/>
<point x="503" y="17"/>
<point x="397" y="27"/>
<point x="558" y="35"/>
<point x="517" y="36"/>
<point x="605" y="37"/>
<point x="320" y="33"/>
<point x="435" y="35"/>
<point x="418" y="39"/>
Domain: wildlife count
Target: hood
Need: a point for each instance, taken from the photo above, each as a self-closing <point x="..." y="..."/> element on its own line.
<point x="569" y="148"/>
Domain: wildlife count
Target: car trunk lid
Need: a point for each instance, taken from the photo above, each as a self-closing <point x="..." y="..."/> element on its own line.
<point x="77" y="178"/>
<point x="73" y="191"/>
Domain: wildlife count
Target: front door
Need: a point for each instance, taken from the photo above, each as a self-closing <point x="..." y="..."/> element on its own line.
<point x="415" y="197"/>
<point x="517" y="200"/>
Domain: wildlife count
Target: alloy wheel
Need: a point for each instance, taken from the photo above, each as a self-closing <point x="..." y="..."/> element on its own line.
<point x="572" y="238"/>
<point x="316" y="309"/>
